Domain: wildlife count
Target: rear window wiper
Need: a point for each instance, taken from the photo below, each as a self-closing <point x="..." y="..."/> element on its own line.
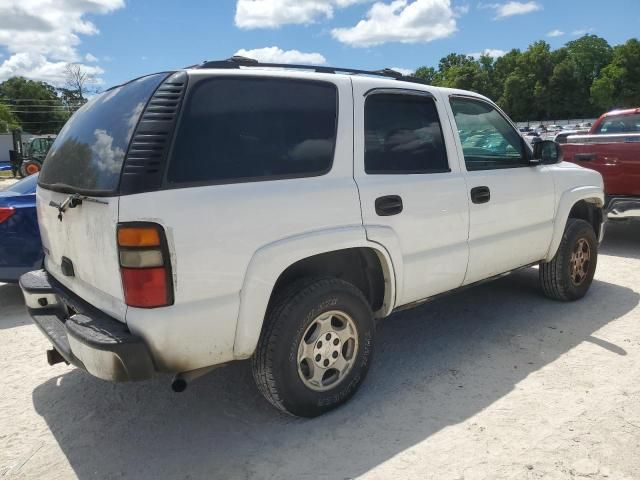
<point x="72" y="201"/>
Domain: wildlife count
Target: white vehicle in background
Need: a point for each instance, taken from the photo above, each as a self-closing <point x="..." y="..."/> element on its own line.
<point x="220" y="213"/>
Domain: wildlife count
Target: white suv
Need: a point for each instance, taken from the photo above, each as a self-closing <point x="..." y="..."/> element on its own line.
<point x="228" y="211"/>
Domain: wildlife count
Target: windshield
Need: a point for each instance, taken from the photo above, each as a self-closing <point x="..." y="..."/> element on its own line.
<point x="88" y="153"/>
<point x="25" y="186"/>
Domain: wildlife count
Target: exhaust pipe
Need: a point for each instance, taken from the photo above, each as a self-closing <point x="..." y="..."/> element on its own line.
<point x="182" y="380"/>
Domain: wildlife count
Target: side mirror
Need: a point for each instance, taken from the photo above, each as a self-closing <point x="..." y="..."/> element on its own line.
<point x="546" y="152"/>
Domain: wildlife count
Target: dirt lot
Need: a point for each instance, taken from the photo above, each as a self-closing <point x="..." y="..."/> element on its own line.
<point x="494" y="382"/>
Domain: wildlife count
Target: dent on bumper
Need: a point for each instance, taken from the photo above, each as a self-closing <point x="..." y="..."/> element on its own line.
<point x="82" y="334"/>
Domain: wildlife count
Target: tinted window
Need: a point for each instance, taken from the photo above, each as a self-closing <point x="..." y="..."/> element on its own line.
<point x="88" y="153"/>
<point x="25" y="186"/>
<point x="237" y="129"/>
<point x="403" y="135"/>
<point x="620" y="124"/>
<point x="488" y="139"/>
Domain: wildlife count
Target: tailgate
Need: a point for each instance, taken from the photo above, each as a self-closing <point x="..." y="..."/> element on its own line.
<point x="86" y="236"/>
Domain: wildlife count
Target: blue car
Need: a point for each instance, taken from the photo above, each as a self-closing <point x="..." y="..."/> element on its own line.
<point x="20" y="246"/>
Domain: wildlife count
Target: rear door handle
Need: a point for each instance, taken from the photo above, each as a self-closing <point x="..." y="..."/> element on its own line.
<point x="480" y="194"/>
<point x="388" y="205"/>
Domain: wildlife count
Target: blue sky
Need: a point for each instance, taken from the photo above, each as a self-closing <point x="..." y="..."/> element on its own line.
<point x="118" y="40"/>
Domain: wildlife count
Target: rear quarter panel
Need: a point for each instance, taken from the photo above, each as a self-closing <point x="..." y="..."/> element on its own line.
<point x="214" y="231"/>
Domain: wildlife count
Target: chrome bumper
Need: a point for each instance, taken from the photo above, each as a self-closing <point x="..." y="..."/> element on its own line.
<point x="623" y="207"/>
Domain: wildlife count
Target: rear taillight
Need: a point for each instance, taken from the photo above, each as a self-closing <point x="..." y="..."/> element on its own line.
<point x="145" y="265"/>
<point x="6" y="213"/>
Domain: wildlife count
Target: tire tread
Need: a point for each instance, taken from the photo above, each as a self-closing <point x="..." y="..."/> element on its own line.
<point x="262" y="362"/>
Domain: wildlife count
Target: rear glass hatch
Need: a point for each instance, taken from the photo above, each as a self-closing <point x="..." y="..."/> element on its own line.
<point x="87" y="160"/>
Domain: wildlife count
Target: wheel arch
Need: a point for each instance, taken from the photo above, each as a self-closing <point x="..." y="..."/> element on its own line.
<point x="582" y="202"/>
<point x="277" y="264"/>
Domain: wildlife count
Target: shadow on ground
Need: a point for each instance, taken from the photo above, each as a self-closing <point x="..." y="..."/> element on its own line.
<point x="622" y="239"/>
<point x="435" y="366"/>
<point x="14" y="313"/>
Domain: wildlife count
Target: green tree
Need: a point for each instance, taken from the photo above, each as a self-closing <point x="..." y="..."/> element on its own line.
<point x="427" y="74"/>
<point x="618" y="85"/>
<point x="35" y="104"/>
<point x="584" y="59"/>
<point x="8" y="121"/>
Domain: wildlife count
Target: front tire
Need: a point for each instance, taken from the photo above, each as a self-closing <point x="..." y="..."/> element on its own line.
<point x="569" y="274"/>
<point x="316" y="347"/>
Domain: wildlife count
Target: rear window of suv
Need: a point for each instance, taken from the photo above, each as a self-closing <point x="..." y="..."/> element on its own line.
<point x="237" y="129"/>
<point x="88" y="153"/>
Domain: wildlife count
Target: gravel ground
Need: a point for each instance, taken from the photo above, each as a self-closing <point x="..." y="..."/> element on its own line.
<point x="6" y="182"/>
<point x="493" y="382"/>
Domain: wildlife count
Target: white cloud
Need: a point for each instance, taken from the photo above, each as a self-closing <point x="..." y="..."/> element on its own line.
<point x="582" y="31"/>
<point x="509" y="9"/>
<point x="90" y="58"/>
<point x="274" y="13"/>
<point x="277" y="55"/>
<point x="41" y="36"/>
<point x="108" y="157"/>
<point x="555" y="33"/>
<point x="38" y="67"/>
<point x="401" y="21"/>
<point x="404" y="71"/>
<point x="490" y="52"/>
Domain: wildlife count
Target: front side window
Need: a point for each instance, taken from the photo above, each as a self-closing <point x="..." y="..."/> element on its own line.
<point x="247" y="129"/>
<point x="403" y="135"/>
<point x="488" y="139"/>
<point x="620" y="124"/>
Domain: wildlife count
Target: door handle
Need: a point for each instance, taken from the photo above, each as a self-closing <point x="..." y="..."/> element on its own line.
<point x="480" y="194"/>
<point x="388" y="205"/>
<point x="585" y="157"/>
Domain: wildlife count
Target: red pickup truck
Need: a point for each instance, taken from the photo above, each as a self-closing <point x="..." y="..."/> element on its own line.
<point x="612" y="147"/>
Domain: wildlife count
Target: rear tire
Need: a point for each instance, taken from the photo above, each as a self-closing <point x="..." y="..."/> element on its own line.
<point x="569" y="274"/>
<point x="315" y="348"/>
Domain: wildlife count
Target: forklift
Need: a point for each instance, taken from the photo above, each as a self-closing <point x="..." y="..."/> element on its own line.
<point x="26" y="158"/>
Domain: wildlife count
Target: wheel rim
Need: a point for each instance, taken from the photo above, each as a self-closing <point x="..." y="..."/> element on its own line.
<point x="580" y="261"/>
<point x="32" y="168"/>
<point x="327" y="350"/>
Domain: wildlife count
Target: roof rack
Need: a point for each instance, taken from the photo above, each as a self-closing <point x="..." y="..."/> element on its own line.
<point x="238" y="61"/>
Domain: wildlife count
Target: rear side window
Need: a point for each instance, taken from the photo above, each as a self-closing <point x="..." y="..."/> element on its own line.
<point x="248" y="129"/>
<point x="620" y="124"/>
<point x="403" y="135"/>
<point x="88" y="153"/>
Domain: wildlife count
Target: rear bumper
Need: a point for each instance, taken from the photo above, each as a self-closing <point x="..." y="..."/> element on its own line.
<point x="85" y="336"/>
<point x="623" y="207"/>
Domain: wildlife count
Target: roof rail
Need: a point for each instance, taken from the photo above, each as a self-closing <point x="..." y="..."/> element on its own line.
<point x="237" y="61"/>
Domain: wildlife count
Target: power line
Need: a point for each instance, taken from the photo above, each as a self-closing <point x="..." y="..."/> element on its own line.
<point x="5" y="99"/>
<point x="48" y="121"/>
<point x="43" y="105"/>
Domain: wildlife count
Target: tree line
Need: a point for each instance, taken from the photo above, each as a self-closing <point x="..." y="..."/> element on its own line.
<point x="39" y="107"/>
<point x="580" y="80"/>
<point x="583" y="79"/>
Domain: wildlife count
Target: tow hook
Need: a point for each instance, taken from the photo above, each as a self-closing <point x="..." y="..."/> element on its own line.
<point x="182" y="380"/>
<point x="54" y="357"/>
